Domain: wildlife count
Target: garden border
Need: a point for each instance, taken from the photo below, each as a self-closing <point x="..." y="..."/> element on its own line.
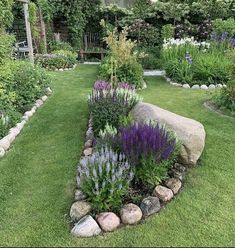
<point x="5" y="142"/>
<point x="210" y="106"/>
<point x="87" y="226"/>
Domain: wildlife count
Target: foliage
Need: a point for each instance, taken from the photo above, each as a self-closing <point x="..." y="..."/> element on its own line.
<point x="22" y="83"/>
<point x="104" y="179"/>
<point x="107" y="137"/>
<point x="145" y="34"/>
<point x="221" y="26"/>
<point x="225" y="100"/>
<point x="122" y="63"/>
<point x="152" y="58"/>
<point x="76" y="14"/>
<point x="146" y="146"/>
<point x="211" y="68"/>
<point x="107" y="106"/>
<point x="6" y="16"/>
<point x="232" y="63"/>
<point x="62" y="45"/>
<point x="6" y="43"/>
<point x="57" y="60"/>
<point x="188" y="61"/>
<point x="168" y="32"/>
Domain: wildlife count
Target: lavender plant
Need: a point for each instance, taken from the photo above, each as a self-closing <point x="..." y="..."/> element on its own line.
<point x="150" y="148"/>
<point x="107" y="106"/>
<point x="104" y="179"/>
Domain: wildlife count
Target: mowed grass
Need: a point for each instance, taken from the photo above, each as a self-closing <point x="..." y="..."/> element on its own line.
<point x="37" y="177"/>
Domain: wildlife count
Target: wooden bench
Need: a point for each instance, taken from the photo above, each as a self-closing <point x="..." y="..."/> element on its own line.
<point x="84" y="54"/>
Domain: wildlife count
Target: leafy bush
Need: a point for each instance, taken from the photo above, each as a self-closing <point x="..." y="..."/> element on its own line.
<point x="150" y="148"/>
<point x="211" y="68"/>
<point x="107" y="106"/>
<point x="225" y="100"/>
<point x="104" y="179"/>
<point x="221" y="27"/>
<point x="23" y="83"/>
<point x="6" y="43"/>
<point x="122" y="63"/>
<point x="61" y="45"/>
<point x="57" y="60"/>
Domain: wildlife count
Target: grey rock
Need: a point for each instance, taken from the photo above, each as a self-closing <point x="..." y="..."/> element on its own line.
<point x="220" y="86"/>
<point x="211" y="86"/>
<point x="204" y="87"/>
<point x="79" y="209"/>
<point x="150" y="205"/>
<point x="44" y="98"/>
<point x="89" y="134"/>
<point x="88" y="144"/>
<point x="86" y="227"/>
<point x="196" y="86"/>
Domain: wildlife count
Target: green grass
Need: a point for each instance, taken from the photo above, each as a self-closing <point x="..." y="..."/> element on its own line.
<point x="37" y="177"/>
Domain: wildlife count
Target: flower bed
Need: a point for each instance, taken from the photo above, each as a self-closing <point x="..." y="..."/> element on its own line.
<point x="57" y="61"/>
<point x="187" y="61"/>
<point x="128" y="170"/>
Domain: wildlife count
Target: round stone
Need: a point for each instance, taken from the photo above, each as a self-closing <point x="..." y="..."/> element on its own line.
<point x="39" y="103"/>
<point x="49" y="91"/>
<point x="195" y="86"/>
<point x="211" y="86"/>
<point x="204" y="87"/>
<point x="186" y="86"/>
<point x="79" y="209"/>
<point x="150" y="205"/>
<point x="174" y="184"/>
<point x="89" y="134"/>
<point x="219" y="86"/>
<point x="11" y="137"/>
<point x="224" y="86"/>
<point x="44" y="98"/>
<point x="61" y="69"/>
<point x="2" y="152"/>
<point x="88" y="152"/>
<point x="108" y="221"/>
<point x="86" y="227"/>
<point x="28" y="114"/>
<point x="131" y="214"/>
<point x="5" y="143"/>
<point x="88" y="144"/>
<point x="163" y="193"/>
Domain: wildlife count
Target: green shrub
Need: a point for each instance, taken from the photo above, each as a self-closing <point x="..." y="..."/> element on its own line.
<point x="22" y="83"/>
<point x="122" y="63"/>
<point x="211" y="68"/>
<point x="57" y="60"/>
<point x="225" y="100"/>
<point x="61" y="45"/>
<point x="6" y="44"/>
<point x="221" y="26"/>
<point x="232" y="64"/>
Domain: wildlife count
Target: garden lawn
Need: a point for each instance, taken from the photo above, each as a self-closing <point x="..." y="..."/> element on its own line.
<point x="37" y="177"/>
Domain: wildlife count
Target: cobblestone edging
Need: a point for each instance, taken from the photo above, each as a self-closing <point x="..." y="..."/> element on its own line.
<point x="5" y="142"/>
<point x="65" y="69"/>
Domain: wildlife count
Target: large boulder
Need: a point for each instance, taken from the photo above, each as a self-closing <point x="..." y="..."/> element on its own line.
<point x="191" y="133"/>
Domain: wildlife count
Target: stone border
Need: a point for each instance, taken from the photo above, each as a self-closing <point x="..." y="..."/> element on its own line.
<point x="6" y="141"/>
<point x="210" y="106"/>
<point x="64" y="69"/>
<point x="84" y="225"/>
<point x="195" y="86"/>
